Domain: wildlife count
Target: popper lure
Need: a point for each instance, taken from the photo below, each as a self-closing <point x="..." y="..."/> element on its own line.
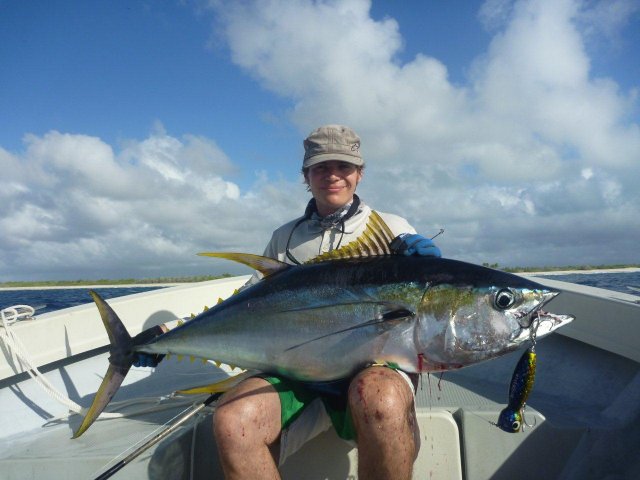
<point x="511" y="418"/>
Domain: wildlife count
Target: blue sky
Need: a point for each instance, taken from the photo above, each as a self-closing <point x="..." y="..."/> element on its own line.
<point x="134" y="134"/>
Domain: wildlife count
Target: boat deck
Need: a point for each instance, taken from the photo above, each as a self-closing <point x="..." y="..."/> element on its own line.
<point x="456" y="415"/>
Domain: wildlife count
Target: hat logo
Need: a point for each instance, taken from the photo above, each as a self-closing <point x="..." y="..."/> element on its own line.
<point x="355" y="147"/>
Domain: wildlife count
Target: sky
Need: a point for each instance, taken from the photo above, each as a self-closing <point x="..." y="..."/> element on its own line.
<point x="134" y="134"/>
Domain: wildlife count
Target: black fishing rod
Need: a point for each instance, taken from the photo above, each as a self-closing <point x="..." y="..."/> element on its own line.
<point x="157" y="438"/>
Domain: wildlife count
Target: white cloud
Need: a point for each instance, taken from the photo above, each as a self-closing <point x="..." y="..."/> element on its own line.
<point x="533" y="161"/>
<point x="503" y="152"/>
<point x="75" y="206"/>
<point x="605" y="19"/>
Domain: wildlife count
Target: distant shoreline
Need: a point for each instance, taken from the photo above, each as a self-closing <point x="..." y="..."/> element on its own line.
<point x="586" y="272"/>
<point x="143" y="284"/>
<point x="93" y="287"/>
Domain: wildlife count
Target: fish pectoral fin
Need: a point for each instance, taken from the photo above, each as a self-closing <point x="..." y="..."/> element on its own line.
<point x="218" y="387"/>
<point x="388" y="319"/>
<point x="265" y="265"/>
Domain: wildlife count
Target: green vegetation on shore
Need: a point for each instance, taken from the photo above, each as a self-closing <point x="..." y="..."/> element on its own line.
<point x="122" y="281"/>
<point x="204" y="278"/>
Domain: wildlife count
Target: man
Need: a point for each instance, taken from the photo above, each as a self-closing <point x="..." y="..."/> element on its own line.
<point x="264" y="419"/>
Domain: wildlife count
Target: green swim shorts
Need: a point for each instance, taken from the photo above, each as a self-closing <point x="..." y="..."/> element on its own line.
<point x="296" y="396"/>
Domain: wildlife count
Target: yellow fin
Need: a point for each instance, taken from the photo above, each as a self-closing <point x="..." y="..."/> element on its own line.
<point x="264" y="265"/>
<point x="374" y="241"/>
<point x="179" y="357"/>
<point x="220" y="300"/>
<point x="218" y="387"/>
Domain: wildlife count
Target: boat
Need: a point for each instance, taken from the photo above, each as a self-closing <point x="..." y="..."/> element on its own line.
<point x="582" y="416"/>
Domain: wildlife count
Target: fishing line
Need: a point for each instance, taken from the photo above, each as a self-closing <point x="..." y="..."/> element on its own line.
<point x="164" y="431"/>
<point x="438" y="234"/>
<point x="97" y="473"/>
<point x="308" y="213"/>
<point x="149" y="435"/>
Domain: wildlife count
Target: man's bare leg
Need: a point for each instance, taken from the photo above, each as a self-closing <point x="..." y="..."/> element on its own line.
<point x="382" y="407"/>
<point x="247" y="428"/>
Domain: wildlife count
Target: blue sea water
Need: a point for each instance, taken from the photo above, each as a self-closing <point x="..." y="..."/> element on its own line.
<point x="628" y="282"/>
<point x="51" y="299"/>
<point x="48" y="300"/>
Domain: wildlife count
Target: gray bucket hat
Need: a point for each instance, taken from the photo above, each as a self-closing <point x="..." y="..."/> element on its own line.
<point x="332" y="142"/>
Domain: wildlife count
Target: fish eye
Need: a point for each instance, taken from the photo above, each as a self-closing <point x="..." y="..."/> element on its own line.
<point x="515" y="426"/>
<point x="504" y="299"/>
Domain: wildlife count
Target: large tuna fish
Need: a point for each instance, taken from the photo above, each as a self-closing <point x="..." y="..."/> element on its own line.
<point x="328" y="319"/>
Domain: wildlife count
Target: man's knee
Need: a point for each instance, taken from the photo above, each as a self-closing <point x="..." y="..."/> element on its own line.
<point x="380" y="394"/>
<point x="250" y="410"/>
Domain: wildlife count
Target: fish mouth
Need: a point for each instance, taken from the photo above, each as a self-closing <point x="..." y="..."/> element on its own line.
<point x="526" y="318"/>
<point x="542" y="323"/>
<point x="548" y="322"/>
<point x="538" y="322"/>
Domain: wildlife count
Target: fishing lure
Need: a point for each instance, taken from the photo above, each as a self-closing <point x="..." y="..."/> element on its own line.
<point x="511" y="418"/>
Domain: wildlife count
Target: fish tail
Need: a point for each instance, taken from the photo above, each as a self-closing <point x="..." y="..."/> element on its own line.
<point x="120" y="360"/>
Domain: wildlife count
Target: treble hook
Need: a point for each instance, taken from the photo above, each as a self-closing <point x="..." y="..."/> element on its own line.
<point x="533" y="331"/>
<point x="524" y="421"/>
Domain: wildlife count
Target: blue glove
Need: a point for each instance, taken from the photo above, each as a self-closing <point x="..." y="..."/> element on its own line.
<point x="146" y="359"/>
<point x="141" y="359"/>
<point x="413" y="244"/>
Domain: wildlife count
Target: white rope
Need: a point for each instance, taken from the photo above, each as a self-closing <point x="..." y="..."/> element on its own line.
<point x="20" y="356"/>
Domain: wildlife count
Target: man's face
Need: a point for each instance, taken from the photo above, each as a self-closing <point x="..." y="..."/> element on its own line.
<point x="333" y="184"/>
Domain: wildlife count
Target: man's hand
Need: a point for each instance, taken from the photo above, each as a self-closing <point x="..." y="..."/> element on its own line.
<point x="413" y="244"/>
